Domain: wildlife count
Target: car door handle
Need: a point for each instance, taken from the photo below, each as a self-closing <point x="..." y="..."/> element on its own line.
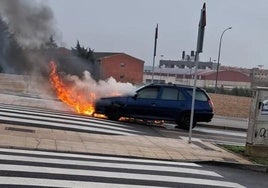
<point x="153" y="104"/>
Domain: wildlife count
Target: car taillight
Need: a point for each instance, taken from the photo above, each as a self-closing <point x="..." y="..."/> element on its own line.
<point x="211" y="104"/>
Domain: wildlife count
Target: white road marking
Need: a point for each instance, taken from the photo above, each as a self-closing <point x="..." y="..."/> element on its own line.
<point x="40" y="153"/>
<point x="62" y="183"/>
<point x="64" y="115"/>
<point x="222" y="132"/>
<point x="88" y="156"/>
<point x="62" y="125"/>
<point x="110" y="165"/>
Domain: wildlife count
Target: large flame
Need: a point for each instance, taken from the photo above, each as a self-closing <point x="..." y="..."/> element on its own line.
<point x="67" y="93"/>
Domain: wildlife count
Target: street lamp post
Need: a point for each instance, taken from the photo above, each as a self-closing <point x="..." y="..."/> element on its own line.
<point x="219" y="55"/>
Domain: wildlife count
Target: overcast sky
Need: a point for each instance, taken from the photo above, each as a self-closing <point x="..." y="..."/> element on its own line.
<point x="129" y="25"/>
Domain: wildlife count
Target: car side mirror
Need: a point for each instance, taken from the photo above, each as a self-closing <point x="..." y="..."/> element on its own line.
<point x="135" y="96"/>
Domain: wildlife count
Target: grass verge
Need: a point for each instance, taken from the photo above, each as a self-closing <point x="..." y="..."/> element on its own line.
<point x="241" y="151"/>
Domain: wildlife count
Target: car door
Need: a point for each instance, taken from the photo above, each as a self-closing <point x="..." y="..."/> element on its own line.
<point x="171" y="102"/>
<point x="143" y="104"/>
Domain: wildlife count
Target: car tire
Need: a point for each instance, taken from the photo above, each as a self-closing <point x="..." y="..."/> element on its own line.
<point x="113" y="113"/>
<point x="184" y="121"/>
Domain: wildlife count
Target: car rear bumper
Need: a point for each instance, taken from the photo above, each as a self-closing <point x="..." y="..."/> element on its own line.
<point x="204" y="117"/>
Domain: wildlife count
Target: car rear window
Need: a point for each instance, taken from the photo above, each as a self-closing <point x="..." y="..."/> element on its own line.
<point x="199" y="95"/>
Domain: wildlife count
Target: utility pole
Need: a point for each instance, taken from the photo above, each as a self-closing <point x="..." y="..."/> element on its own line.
<point x="155" y="44"/>
<point x="199" y="49"/>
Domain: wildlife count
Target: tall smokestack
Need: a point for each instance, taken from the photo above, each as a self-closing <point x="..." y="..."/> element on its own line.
<point x="192" y="53"/>
<point x="183" y="55"/>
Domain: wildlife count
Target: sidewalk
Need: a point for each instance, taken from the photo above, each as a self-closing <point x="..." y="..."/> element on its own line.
<point x="131" y="146"/>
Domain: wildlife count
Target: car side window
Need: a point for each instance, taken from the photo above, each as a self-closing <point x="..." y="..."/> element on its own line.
<point x="148" y="93"/>
<point x="199" y="95"/>
<point x="171" y="94"/>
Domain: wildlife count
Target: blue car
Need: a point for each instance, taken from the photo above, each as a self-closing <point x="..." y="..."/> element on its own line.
<point x="167" y="102"/>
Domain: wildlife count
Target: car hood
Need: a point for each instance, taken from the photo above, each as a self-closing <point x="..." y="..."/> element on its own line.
<point x="119" y="99"/>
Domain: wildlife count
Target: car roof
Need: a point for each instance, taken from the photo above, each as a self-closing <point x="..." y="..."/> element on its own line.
<point x="171" y="84"/>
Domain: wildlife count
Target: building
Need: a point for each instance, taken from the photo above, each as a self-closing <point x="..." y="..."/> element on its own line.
<point x="259" y="77"/>
<point x="121" y="66"/>
<point x="227" y="79"/>
<point x="182" y="72"/>
<point x="187" y="61"/>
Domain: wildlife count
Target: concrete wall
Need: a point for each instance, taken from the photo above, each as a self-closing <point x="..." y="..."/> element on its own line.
<point x="24" y="84"/>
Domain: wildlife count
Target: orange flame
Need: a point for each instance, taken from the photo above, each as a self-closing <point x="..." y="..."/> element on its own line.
<point x="67" y="93"/>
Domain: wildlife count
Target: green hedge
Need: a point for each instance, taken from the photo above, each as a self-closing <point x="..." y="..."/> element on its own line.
<point x="235" y="91"/>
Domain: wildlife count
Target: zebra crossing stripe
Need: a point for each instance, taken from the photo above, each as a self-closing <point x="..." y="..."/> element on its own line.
<point x="110" y="165"/>
<point x="63" y="183"/>
<point x="60" y="115"/>
<point x="42" y="153"/>
<point x="62" y="125"/>
<point x="118" y="175"/>
<point x="222" y="132"/>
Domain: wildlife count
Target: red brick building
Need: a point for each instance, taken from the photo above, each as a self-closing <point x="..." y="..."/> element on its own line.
<point x="121" y="66"/>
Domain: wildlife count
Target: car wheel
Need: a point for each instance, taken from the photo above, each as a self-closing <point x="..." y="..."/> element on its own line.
<point x="184" y="121"/>
<point x="113" y="113"/>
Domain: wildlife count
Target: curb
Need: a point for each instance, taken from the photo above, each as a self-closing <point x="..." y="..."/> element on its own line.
<point x="222" y="127"/>
<point x="252" y="167"/>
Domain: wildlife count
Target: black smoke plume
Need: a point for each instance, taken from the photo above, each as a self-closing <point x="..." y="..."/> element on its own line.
<point x="25" y="27"/>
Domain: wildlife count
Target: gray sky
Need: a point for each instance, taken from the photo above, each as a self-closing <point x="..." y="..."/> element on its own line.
<point x="129" y="26"/>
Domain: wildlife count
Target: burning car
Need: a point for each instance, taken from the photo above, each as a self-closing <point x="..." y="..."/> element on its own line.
<point x="167" y="102"/>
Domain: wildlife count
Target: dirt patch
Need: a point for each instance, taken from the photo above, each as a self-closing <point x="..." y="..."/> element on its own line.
<point x="231" y="106"/>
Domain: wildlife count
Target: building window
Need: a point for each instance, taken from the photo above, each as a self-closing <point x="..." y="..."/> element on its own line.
<point x="122" y="65"/>
<point x="122" y="76"/>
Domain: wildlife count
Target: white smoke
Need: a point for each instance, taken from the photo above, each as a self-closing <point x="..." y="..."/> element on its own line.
<point x="102" y="88"/>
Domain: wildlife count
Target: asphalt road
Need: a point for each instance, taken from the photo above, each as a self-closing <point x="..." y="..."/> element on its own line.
<point x="211" y="134"/>
<point x="244" y="177"/>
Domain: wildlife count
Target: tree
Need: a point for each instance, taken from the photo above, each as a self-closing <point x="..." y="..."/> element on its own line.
<point x="4" y="41"/>
<point x="86" y="53"/>
<point x="50" y="44"/>
<point x="12" y="58"/>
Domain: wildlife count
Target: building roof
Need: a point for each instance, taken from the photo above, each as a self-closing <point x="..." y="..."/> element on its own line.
<point x="101" y="55"/>
<point x="185" y="71"/>
<point x="224" y="75"/>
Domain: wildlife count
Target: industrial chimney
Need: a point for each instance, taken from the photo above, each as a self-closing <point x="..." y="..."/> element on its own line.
<point x="183" y="55"/>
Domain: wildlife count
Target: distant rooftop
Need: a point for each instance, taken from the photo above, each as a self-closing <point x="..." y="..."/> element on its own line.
<point x="100" y="55"/>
